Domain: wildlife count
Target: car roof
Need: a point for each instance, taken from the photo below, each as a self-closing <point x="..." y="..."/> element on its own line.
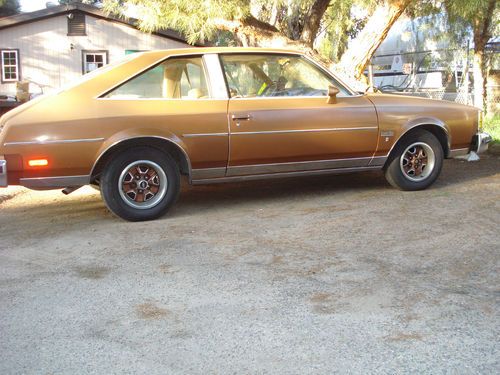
<point x="203" y="50"/>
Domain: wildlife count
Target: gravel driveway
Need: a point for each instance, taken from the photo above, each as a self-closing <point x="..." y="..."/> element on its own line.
<point x="319" y="275"/>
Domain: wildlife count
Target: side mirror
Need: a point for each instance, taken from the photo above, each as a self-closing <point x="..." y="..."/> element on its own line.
<point x="332" y="94"/>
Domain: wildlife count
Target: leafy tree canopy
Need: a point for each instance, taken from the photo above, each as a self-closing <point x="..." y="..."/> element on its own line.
<point x="198" y="20"/>
<point x="9" y="7"/>
<point x="326" y="25"/>
<point x="343" y="31"/>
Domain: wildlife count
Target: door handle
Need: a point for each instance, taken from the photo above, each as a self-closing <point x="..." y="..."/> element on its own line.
<point x="241" y="117"/>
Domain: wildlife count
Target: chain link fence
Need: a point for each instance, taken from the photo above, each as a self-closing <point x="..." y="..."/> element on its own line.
<point x="442" y="74"/>
<point x="492" y="100"/>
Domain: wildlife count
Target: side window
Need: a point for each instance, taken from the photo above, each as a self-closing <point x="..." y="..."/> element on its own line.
<point x="275" y="76"/>
<point x="175" y="78"/>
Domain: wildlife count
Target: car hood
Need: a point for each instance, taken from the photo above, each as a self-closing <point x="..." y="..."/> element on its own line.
<point x="407" y="100"/>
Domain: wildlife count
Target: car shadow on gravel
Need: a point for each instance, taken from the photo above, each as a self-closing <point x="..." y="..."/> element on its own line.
<point x="88" y="207"/>
<point x="204" y="197"/>
<point x="286" y="188"/>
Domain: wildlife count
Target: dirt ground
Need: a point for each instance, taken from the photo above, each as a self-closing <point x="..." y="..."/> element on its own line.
<point x="334" y="274"/>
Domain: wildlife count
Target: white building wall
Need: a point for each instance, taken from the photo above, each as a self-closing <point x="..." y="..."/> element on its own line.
<point x="52" y="59"/>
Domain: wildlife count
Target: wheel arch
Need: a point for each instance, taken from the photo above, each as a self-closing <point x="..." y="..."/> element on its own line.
<point x="163" y="144"/>
<point x="439" y="130"/>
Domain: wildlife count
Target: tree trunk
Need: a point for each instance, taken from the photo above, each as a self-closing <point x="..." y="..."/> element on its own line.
<point x="480" y="78"/>
<point x="294" y="21"/>
<point x="362" y="48"/>
<point x="274" y="13"/>
<point x="482" y="33"/>
<point x="313" y="21"/>
<point x="252" y="32"/>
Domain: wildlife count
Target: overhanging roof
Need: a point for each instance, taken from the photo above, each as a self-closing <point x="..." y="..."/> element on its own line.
<point x="58" y="10"/>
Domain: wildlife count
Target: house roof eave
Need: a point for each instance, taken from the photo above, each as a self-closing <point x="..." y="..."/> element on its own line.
<point x="54" y="11"/>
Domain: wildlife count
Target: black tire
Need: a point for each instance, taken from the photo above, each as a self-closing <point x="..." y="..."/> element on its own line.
<point x="117" y="170"/>
<point x="396" y="171"/>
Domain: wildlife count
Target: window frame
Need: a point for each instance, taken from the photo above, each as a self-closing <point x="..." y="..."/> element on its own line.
<point x="86" y="52"/>
<point x="153" y="66"/>
<point x="18" y="65"/>
<point x="308" y="60"/>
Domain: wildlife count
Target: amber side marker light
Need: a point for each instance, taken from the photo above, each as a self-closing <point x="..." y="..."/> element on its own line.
<point x="38" y="162"/>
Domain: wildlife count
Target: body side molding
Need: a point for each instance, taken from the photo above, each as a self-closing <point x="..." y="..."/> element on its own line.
<point x="316" y="172"/>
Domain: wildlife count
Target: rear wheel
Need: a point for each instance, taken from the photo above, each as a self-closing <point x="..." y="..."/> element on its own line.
<point x="140" y="184"/>
<point x="416" y="162"/>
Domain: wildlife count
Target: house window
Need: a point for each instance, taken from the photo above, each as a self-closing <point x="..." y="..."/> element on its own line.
<point x="93" y="60"/>
<point x="10" y="65"/>
<point x="76" y="24"/>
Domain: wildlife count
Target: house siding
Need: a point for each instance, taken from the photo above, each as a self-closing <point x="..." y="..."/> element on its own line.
<point x="46" y="55"/>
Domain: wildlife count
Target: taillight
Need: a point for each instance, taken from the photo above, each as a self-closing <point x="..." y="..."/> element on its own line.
<point x="38" y="162"/>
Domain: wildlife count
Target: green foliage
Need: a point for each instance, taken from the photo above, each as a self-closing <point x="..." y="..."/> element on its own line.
<point x="197" y="20"/>
<point x="9" y="7"/>
<point x="213" y="20"/>
<point x="468" y="10"/>
<point x="288" y="16"/>
<point x="339" y="24"/>
<point x="202" y="20"/>
<point x="471" y="14"/>
<point x="491" y="125"/>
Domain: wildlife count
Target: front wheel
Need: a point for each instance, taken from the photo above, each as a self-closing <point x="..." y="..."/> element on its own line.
<point x="416" y="161"/>
<point x="140" y="184"/>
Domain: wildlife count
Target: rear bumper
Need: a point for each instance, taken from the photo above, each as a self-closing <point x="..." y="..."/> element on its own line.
<point x="40" y="183"/>
<point x="480" y="142"/>
<point x="3" y="173"/>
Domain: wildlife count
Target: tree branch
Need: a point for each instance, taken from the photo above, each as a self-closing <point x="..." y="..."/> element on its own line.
<point x="251" y="21"/>
<point x="313" y="21"/>
<point x="362" y="48"/>
<point x="488" y="16"/>
<point x="253" y="32"/>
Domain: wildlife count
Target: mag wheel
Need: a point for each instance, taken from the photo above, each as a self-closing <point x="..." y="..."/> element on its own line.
<point x="416" y="161"/>
<point x="140" y="184"/>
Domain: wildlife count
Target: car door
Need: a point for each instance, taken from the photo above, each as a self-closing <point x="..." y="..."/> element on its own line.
<point x="280" y="120"/>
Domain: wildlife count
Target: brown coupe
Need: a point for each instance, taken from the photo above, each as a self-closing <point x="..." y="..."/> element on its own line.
<point x="222" y="114"/>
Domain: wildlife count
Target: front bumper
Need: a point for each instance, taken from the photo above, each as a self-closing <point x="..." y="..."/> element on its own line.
<point x="3" y="173"/>
<point x="480" y="142"/>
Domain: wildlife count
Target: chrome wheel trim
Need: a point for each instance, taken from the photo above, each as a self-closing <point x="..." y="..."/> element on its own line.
<point x="142" y="184"/>
<point x="417" y="161"/>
